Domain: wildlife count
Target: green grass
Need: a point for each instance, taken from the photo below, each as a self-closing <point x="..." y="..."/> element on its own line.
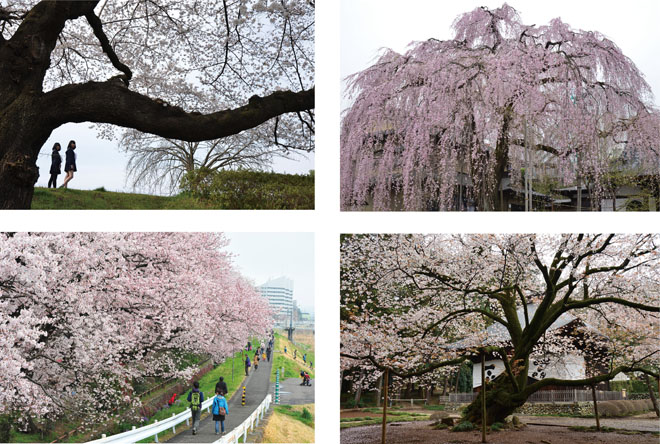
<point x="305" y="418"/>
<point x="207" y="386"/>
<point x="433" y="407"/>
<point x="71" y="199"/>
<point x="364" y="420"/>
<point x="291" y="367"/>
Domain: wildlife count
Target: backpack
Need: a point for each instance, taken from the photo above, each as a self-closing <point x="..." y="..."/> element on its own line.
<point x="195" y="401"/>
<point x="217" y="410"/>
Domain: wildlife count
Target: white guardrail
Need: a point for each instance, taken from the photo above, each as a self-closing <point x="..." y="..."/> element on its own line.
<point x="250" y="423"/>
<point x="138" y="434"/>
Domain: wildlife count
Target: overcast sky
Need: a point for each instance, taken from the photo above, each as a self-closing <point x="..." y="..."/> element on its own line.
<point x="262" y="256"/>
<point x="368" y="25"/>
<point x="101" y="164"/>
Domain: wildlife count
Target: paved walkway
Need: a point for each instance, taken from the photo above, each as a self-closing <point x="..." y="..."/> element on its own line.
<point x="257" y="387"/>
<point x="292" y="393"/>
<point x="642" y="424"/>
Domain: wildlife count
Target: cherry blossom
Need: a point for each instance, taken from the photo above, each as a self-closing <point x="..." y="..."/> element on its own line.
<point x="83" y="315"/>
<point x="416" y="304"/>
<point x="499" y="96"/>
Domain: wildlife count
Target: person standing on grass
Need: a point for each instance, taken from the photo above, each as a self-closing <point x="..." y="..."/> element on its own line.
<point x="70" y="164"/>
<point x="221" y="386"/>
<point x="220" y="410"/>
<point x="195" y="398"/>
<point x="247" y="365"/>
<point x="55" y="165"/>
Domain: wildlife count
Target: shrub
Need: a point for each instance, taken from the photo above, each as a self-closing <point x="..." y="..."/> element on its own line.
<point x="306" y="414"/>
<point x="627" y="407"/>
<point x="243" y="189"/>
<point x="608" y="409"/>
<point x="639" y="405"/>
<point x="5" y="428"/>
<point x="101" y="189"/>
<point x="496" y="426"/>
<point x="464" y="426"/>
<point x="351" y="404"/>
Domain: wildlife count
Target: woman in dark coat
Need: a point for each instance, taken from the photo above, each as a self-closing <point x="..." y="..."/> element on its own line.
<point x="70" y="165"/>
<point x="55" y="165"/>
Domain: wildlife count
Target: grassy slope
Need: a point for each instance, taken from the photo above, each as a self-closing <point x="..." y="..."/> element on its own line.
<point x="70" y="199"/>
<point x="207" y="385"/>
<point x="286" y="425"/>
<point x="291" y="367"/>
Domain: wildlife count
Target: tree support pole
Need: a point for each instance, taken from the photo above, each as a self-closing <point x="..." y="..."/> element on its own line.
<point x="386" y="383"/>
<point x="483" y="397"/>
<point x="593" y="395"/>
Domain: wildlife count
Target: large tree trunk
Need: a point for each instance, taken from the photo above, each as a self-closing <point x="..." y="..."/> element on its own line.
<point x="28" y="115"/>
<point x="500" y="403"/>
<point x="501" y="161"/>
<point x="22" y="133"/>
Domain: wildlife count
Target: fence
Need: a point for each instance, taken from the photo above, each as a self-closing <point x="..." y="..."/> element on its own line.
<point x="154" y="429"/>
<point x="249" y="424"/>
<point x="545" y="396"/>
<point x="150" y="430"/>
<point x="411" y="400"/>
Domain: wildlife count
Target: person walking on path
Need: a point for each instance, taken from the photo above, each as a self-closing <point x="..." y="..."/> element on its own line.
<point x="70" y="164"/>
<point x="247" y="365"/>
<point x="268" y="351"/>
<point x="195" y="398"/>
<point x="55" y="165"/>
<point x="220" y="410"/>
<point x="221" y="386"/>
<point x="256" y="361"/>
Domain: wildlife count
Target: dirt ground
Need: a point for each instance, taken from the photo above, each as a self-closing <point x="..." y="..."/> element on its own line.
<point x="421" y="432"/>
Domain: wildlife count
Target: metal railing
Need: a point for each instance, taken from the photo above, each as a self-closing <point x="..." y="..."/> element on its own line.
<point x="154" y="429"/>
<point x="249" y="424"/>
<point x="545" y="396"/>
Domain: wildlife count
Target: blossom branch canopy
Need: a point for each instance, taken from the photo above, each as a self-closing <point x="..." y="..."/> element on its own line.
<point x="82" y="315"/>
<point x="418" y="303"/>
<point x="470" y="105"/>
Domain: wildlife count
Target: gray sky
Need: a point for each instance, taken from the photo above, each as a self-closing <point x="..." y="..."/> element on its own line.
<point x="101" y="164"/>
<point x="261" y="256"/>
<point x="368" y="25"/>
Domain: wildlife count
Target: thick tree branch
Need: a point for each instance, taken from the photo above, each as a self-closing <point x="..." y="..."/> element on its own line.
<point x="426" y="369"/>
<point x="532" y="388"/>
<point x="97" y="26"/>
<point x="111" y="102"/>
<point x="589" y="302"/>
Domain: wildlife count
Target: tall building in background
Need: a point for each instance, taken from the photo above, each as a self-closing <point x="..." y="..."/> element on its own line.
<point x="279" y="293"/>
